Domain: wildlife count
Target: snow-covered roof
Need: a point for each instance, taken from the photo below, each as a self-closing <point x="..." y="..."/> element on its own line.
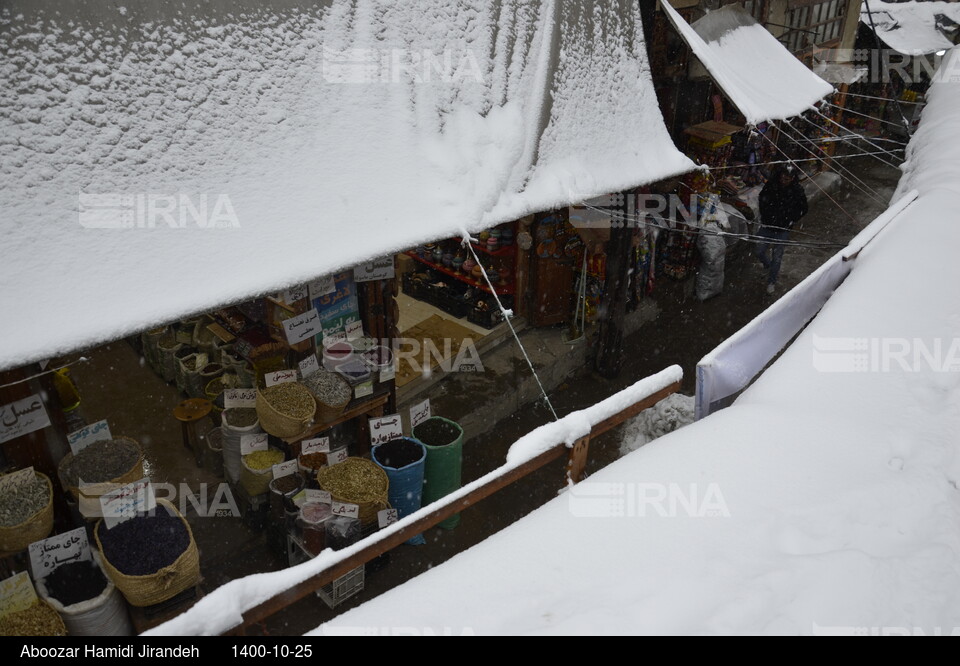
<point x="755" y="71"/>
<point x="914" y="28"/>
<point x="824" y="501"/>
<point x="314" y="138"/>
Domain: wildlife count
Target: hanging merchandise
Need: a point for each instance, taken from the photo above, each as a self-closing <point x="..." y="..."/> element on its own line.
<point x="575" y="332"/>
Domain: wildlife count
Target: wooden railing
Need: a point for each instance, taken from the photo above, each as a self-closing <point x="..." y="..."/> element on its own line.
<point x="394" y="535"/>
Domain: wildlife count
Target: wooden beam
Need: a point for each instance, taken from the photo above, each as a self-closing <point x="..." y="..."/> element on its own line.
<point x="307" y="587"/>
<point x="634" y="409"/>
<point x="577" y="460"/>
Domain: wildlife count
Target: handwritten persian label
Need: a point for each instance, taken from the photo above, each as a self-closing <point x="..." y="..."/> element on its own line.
<point x="385" y="428"/>
<point x="387" y="517"/>
<point x="201" y="360"/>
<point x="354" y="330"/>
<point x="251" y="443"/>
<point x="309" y="365"/>
<point x="316" y="445"/>
<point x="127" y="501"/>
<point x="48" y="554"/>
<point x="419" y="413"/>
<point x="22" y="417"/>
<point x="320" y="496"/>
<point x="378" y="269"/>
<point x="363" y="390"/>
<point x="332" y="338"/>
<point x="303" y="326"/>
<point x="238" y="398"/>
<point x="337" y="456"/>
<point x="87" y="435"/>
<point x="16" y="594"/>
<point x="284" y="469"/>
<point x="344" y="509"/>
<point x="280" y="377"/>
<point x="291" y="296"/>
<point x="323" y="286"/>
<point x="17" y="479"/>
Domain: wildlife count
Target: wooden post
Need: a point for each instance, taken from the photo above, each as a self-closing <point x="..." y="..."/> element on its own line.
<point x="577" y="459"/>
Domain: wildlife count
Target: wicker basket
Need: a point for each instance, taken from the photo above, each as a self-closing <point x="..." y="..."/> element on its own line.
<point x="371" y="500"/>
<point x="89" y="498"/>
<point x="36" y="527"/>
<point x="281" y="425"/>
<point x="164" y="584"/>
<point x="328" y="413"/>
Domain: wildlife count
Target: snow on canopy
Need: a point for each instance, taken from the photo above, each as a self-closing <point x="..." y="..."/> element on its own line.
<point x="268" y="146"/>
<point x="755" y="71"/>
<point x="824" y="501"/>
<point x="914" y="28"/>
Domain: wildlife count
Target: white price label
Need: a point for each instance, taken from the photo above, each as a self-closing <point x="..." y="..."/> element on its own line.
<point x="48" y="554"/>
<point x="127" y="501"/>
<point x="251" y="443"/>
<point x="354" y="330"/>
<point x="239" y="398"/>
<point x="387" y="517"/>
<point x="309" y="365"/>
<point x="363" y="390"/>
<point x="419" y="413"/>
<point x="323" y="286"/>
<point x="316" y="445"/>
<point x="385" y="428"/>
<point x="16" y="479"/>
<point x="22" y="417"/>
<point x="388" y="373"/>
<point x="319" y="496"/>
<point x="16" y="593"/>
<point x="378" y="269"/>
<point x="344" y="509"/>
<point x="303" y="326"/>
<point x="291" y="296"/>
<point x="87" y="435"/>
<point x="337" y="456"/>
<point x="280" y="377"/>
<point x="284" y="469"/>
<point x="300" y="498"/>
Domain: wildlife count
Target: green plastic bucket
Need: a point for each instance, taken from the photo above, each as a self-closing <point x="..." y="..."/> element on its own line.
<point x="444" y="461"/>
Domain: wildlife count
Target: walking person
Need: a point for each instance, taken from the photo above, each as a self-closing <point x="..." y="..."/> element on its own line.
<point x="782" y="203"/>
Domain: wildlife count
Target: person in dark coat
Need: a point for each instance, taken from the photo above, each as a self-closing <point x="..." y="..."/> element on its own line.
<point x="782" y="203"/>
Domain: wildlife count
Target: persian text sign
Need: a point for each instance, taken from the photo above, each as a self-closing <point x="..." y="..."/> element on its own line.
<point x="22" y="417"/>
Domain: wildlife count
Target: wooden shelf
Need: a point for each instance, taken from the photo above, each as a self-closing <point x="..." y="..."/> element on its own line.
<point x="504" y="251"/>
<point x="504" y="290"/>
<point x="357" y="407"/>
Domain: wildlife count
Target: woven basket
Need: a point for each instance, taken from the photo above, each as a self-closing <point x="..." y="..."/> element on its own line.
<point x="255" y="481"/>
<point x="281" y="425"/>
<point x="36" y="527"/>
<point x="328" y="413"/>
<point x="89" y="498"/>
<point x="164" y="584"/>
<point x="371" y="500"/>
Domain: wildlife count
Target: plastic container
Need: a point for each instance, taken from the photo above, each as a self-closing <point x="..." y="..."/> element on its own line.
<point x="403" y="460"/>
<point x="443" y="440"/>
<point x="311" y="521"/>
<point x="337" y="354"/>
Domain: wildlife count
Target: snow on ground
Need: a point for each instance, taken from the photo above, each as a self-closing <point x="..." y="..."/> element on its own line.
<point x="313" y="139"/>
<point x="824" y="501"/>
<point x="914" y="28"/>
<point x="671" y="413"/>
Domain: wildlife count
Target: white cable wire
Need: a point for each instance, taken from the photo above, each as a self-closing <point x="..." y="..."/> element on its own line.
<point x="82" y="359"/>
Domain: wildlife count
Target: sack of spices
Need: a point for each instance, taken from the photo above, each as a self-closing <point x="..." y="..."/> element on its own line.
<point x="38" y="619"/>
<point x="168" y="347"/>
<point x="357" y="481"/>
<point x="285" y="410"/>
<point x="256" y="472"/>
<point x="86" y="599"/>
<point x="101" y="468"/>
<point x="151" y="557"/>
<point x="26" y="513"/>
<point x="237" y="422"/>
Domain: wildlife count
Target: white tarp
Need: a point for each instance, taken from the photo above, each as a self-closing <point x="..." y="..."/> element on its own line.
<point x="269" y="145"/>
<point x="914" y="28"/>
<point x="755" y="71"/>
<point x="737" y="361"/>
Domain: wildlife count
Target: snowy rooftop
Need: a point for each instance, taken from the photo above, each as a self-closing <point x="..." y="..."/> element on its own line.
<point x="822" y="502"/>
<point x="267" y="147"/>
<point x="914" y="28"/>
<point x="756" y="72"/>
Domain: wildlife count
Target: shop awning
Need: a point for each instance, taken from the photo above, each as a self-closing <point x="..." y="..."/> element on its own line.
<point x="755" y="71"/>
<point x="314" y="138"/>
<point x="914" y="28"/>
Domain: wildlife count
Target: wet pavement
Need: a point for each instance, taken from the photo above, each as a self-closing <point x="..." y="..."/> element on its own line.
<point x="117" y="386"/>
